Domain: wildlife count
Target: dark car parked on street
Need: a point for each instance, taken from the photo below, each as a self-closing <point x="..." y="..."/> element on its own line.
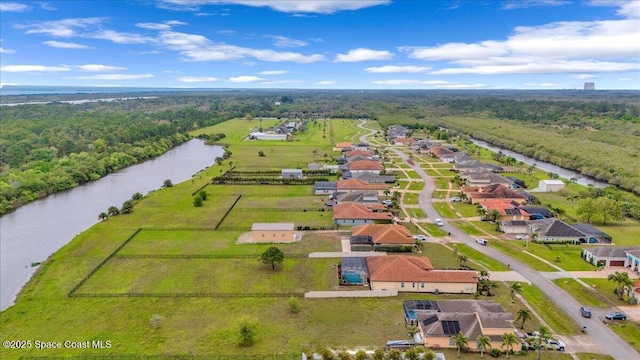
<point x="616" y="316"/>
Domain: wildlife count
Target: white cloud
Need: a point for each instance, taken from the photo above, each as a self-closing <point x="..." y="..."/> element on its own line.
<point x="167" y="25"/>
<point x="454" y="51"/>
<point x="32" y="68"/>
<point x="46" y="6"/>
<point x="362" y="54"/>
<point x="583" y="76"/>
<point x="62" y="28"/>
<point x="283" y="41"/>
<point x="246" y="79"/>
<point x="462" y="86"/>
<point x="65" y="45"/>
<point x="197" y="79"/>
<point x="287" y="6"/>
<point x="13" y="7"/>
<point x="625" y="79"/>
<point x="226" y="32"/>
<point x="523" y="4"/>
<point x="397" y="69"/>
<point x="121" y="38"/>
<point x="325" y="82"/>
<point x="6" y="51"/>
<point x="115" y="77"/>
<point x="542" y="66"/>
<point x="275" y="82"/>
<point x="98" y="68"/>
<point x="198" y="48"/>
<point x="274" y="72"/>
<point x="411" y="82"/>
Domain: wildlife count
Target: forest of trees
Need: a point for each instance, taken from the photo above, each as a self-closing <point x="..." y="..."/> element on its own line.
<point x="52" y="147"/>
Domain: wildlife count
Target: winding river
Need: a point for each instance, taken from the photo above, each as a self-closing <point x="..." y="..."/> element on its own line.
<point x="548" y="167"/>
<point x="35" y="231"/>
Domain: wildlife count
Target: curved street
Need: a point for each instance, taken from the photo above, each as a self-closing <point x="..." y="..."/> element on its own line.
<point x="597" y="330"/>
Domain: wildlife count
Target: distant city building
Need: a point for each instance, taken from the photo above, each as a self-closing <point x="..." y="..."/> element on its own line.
<point x="589" y="86"/>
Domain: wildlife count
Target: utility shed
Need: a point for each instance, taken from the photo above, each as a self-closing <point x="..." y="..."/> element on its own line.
<point x="354" y="270"/>
<point x="292" y="173"/>
<point x="550" y="185"/>
<point x="273" y="233"/>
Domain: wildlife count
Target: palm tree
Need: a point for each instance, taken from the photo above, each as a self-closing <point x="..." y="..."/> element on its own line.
<point x="387" y="192"/>
<point x="429" y="355"/>
<point x="455" y="250"/>
<point x="460" y="341"/>
<point x="524" y="315"/>
<point x="378" y="354"/>
<point x="394" y="354"/>
<point x="515" y="288"/>
<point x="480" y="211"/>
<point x="545" y="335"/>
<point x="412" y="354"/>
<point x="462" y="259"/>
<point x="493" y="215"/>
<point x="484" y="343"/>
<point x="508" y="340"/>
<point x="361" y="355"/>
<point x="484" y="275"/>
<point x="622" y="280"/>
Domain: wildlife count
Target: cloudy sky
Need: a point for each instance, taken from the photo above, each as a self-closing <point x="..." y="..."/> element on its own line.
<point x="360" y="44"/>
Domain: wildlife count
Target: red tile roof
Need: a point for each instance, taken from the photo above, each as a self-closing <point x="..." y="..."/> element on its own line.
<point x="385" y="233"/>
<point x="439" y="150"/>
<point x="495" y="191"/>
<point x="365" y="165"/>
<point x="405" y="140"/>
<point x="344" y="145"/>
<point x="358" y="211"/>
<point x="355" y="184"/>
<point x="358" y="152"/>
<point x="414" y="268"/>
<point x="499" y="204"/>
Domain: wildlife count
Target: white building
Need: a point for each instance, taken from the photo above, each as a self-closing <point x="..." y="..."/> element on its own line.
<point x="550" y="185"/>
<point x="267" y="136"/>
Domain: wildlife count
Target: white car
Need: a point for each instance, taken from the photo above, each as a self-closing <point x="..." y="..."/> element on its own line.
<point x="439" y="222"/>
<point x="482" y="241"/>
<point x="387" y="202"/>
<point x="522" y="237"/>
<point x="420" y="237"/>
<point x="556" y="344"/>
<point x="456" y="199"/>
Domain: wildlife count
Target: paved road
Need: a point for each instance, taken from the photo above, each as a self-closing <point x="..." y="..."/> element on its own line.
<point x="599" y="332"/>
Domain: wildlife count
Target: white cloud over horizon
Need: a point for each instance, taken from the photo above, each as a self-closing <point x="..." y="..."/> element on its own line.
<point x="362" y="54"/>
<point x="65" y="45"/>
<point x="286" y="6"/>
<point x="398" y="69"/>
<point x="274" y="72"/>
<point x="246" y="79"/>
<point x="197" y="79"/>
<point x="13" y="7"/>
<point x="115" y="77"/>
<point x="32" y="68"/>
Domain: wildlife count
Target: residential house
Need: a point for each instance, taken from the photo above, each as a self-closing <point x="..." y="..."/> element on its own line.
<point x="416" y="274"/>
<point x="439" y="151"/>
<point x="550" y="185"/>
<point x="342" y="146"/>
<point x="292" y="173"/>
<point x="593" y="235"/>
<point x="354" y="271"/>
<point x="357" y="157"/>
<point x="554" y="230"/>
<point x="267" y="136"/>
<point x="397" y="132"/>
<point x="324" y="187"/>
<point x="361" y="146"/>
<point x="535" y="212"/>
<point x="365" y="154"/>
<point x="373" y="178"/>
<point x="484" y="178"/>
<point x="404" y="141"/>
<point x="508" y="209"/>
<point x="471" y="317"/>
<point x="383" y="234"/>
<point x="514" y="227"/>
<point x="350" y="214"/>
<point x="274" y="233"/>
<point x="516" y="183"/>
<point x="365" y="197"/>
<point x="608" y="255"/>
<point x="477" y="194"/>
<point x="633" y="259"/>
<point x="314" y="166"/>
<point x="351" y="185"/>
<point x="362" y="166"/>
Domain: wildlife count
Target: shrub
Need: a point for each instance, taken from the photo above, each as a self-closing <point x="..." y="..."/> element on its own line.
<point x="197" y="201"/>
<point x="496" y="353"/>
<point x="203" y="195"/>
<point x="168" y="183"/>
<point x="294" y="305"/>
<point x="246" y="332"/>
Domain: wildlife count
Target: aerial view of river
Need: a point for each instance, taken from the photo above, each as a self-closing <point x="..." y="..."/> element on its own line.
<point x="543" y="165"/>
<point x="35" y="231"/>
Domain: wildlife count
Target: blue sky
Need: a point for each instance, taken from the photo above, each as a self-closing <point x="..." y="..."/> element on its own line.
<point x="362" y="44"/>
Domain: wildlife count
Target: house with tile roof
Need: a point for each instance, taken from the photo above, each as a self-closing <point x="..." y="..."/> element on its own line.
<point x="351" y="214"/>
<point x="365" y="197"/>
<point x="404" y="141"/>
<point x="343" y="145"/>
<point x="351" y="185"/>
<point x="416" y="274"/>
<point x="508" y="209"/>
<point x="609" y="255"/>
<point x="383" y="234"/>
<point x="366" y="154"/>
<point x="471" y="317"/>
<point x="373" y="178"/>
<point x="555" y="230"/>
<point x="478" y="194"/>
<point x="365" y="166"/>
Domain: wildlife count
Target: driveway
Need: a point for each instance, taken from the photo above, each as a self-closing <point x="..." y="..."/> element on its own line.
<point x="599" y="333"/>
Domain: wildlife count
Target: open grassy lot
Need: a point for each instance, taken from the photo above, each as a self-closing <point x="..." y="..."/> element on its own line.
<point x="443" y="166"/>
<point x="121" y="275"/>
<point x="440" y="256"/>
<point x="466" y="210"/>
<point x="629" y="331"/>
<point x="624" y="234"/>
<point x="434" y="230"/>
<point x="606" y="289"/>
<point x="432" y="172"/>
<point x="410" y="199"/>
<point x="555" y="317"/>
<point x="445" y="210"/>
<point x="439" y="194"/>
<point x="467" y="228"/>
<point x="441" y="183"/>
<point x="483" y="260"/>
<point x="586" y="296"/>
<point x="413" y="175"/>
<point x="487" y="226"/>
<point x="242" y="218"/>
<point x="589" y="356"/>
<point x="564" y="256"/>
<point x="516" y="250"/>
<point x="237" y="130"/>
<point x="277" y="157"/>
<point x="416" y="185"/>
<point x="416" y="213"/>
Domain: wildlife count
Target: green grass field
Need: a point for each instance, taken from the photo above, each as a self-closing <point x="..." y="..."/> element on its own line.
<point x="586" y="296"/>
<point x="549" y="311"/>
<point x="416" y="185"/>
<point x="466" y="210"/>
<point x="606" y="289"/>
<point x="410" y="199"/>
<point x="629" y="331"/>
<point x="516" y="250"/>
<point x="483" y="260"/>
<point x="467" y="228"/>
<point x="445" y="210"/>
<point x="434" y="230"/>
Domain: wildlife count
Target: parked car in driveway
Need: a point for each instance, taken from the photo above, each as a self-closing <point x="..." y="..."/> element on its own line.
<point x="556" y="344"/>
<point x="456" y="199"/>
<point x="521" y="237"/>
<point x="420" y="237"/>
<point x="585" y="311"/>
<point x="616" y="315"/>
<point x="387" y="202"/>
